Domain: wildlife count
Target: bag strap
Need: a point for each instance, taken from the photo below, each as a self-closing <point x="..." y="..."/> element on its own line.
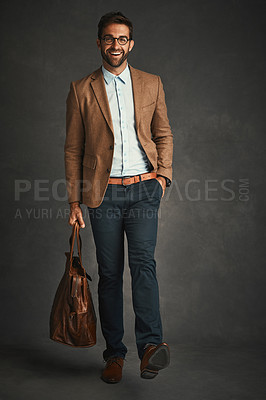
<point x="79" y="238"/>
<point x="75" y="232"/>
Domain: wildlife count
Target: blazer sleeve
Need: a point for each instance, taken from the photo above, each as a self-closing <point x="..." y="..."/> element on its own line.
<point x="74" y="146"/>
<point x="162" y="135"/>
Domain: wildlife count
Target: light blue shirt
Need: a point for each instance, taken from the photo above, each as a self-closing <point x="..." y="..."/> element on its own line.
<point x="129" y="157"/>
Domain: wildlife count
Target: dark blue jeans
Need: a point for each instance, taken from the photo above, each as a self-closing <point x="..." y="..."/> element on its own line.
<point x="132" y="209"/>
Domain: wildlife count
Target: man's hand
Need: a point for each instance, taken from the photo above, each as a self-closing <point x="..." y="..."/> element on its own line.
<point x="76" y="214"/>
<point x="162" y="182"/>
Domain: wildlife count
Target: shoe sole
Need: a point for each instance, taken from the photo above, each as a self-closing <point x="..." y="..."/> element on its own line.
<point x="109" y="381"/>
<point x="160" y="359"/>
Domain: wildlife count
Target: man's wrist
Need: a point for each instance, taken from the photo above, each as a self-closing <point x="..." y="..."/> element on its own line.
<point x="74" y="203"/>
<point x="167" y="180"/>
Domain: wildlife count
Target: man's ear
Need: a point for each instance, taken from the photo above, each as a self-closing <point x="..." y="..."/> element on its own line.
<point x="131" y="45"/>
<point x="98" y="43"/>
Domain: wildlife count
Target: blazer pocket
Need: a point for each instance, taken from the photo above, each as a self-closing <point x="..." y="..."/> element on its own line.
<point x="148" y="105"/>
<point x="89" y="161"/>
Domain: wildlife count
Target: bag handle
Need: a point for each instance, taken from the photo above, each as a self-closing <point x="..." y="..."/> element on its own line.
<point x="75" y="232"/>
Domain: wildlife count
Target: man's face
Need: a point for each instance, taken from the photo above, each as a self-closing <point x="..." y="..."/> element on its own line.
<point x="115" y="54"/>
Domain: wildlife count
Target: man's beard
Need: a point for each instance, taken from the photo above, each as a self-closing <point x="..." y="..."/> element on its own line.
<point x="112" y="62"/>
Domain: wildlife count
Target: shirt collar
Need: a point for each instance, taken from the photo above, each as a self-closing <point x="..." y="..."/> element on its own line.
<point x="109" y="77"/>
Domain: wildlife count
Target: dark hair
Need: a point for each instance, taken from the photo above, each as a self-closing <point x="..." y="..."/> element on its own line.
<point x="114" y="17"/>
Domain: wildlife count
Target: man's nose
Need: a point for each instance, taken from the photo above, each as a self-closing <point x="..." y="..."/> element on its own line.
<point x="116" y="45"/>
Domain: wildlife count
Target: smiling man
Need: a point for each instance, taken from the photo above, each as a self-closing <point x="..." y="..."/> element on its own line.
<point x="118" y="162"/>
<point x="115" y="52"/>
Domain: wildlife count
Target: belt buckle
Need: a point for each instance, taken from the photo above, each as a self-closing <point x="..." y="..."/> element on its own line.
<point x="125" y="177"/>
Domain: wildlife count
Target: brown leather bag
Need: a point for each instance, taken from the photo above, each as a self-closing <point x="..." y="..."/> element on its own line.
<point x="73" y="319"/>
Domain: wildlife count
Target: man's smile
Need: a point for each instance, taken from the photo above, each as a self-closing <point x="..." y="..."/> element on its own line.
<point x="115" y="53"/>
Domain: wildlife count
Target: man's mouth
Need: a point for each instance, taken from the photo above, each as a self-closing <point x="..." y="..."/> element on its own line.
<point x="115" y="54"/>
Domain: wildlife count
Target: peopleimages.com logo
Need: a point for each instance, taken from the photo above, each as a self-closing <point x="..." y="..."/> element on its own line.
<point x="42" y="191"/>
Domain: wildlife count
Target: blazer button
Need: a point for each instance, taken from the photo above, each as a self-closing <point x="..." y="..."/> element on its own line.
<point x="108" y="170"/>
<point x="111" y="147"/>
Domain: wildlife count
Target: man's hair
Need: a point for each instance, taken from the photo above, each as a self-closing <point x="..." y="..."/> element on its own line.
<point x="114" y="17"/>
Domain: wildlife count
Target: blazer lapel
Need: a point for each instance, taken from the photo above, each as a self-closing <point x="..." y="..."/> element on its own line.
<point x="98" y="87"/>
<point x="137" y="94"/>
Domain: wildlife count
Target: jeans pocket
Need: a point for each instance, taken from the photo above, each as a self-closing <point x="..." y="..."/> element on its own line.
<point x="160" y="187"/>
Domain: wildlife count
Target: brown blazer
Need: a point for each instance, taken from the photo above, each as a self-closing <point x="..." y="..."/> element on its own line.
<point x="89" y="140"/>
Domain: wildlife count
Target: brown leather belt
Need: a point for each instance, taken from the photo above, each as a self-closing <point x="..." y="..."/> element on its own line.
<point x="132" y="179"/>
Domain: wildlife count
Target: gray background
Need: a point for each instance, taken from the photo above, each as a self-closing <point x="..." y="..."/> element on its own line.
<point x="211" y="244"/>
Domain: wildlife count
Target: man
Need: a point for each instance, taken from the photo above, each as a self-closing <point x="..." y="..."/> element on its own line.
<point x="118" y="162"/>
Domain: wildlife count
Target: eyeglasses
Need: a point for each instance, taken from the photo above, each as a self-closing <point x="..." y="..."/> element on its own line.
<point x="122" y="40"/>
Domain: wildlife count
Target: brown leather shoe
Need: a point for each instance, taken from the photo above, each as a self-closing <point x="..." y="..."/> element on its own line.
<point x="112" y="372"/>
<point x="154" y="359"/>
